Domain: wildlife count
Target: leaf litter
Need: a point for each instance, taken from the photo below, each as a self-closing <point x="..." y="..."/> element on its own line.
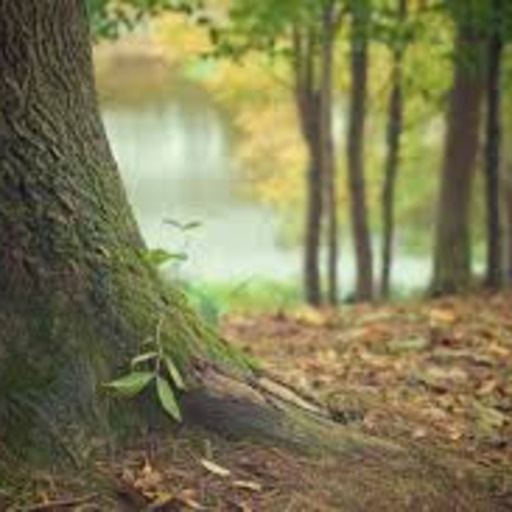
<point x="434" y="373"/>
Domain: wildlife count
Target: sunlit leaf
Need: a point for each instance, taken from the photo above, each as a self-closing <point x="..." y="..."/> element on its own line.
<point x="158" y="257"/>
<point x="215" y="469"/>
<point x="248" y="485"/>
<point x="143" y="358"/>
<point x="131" y="384"/>
<point x="167" y="398"/>
<point x="174" y="373"/>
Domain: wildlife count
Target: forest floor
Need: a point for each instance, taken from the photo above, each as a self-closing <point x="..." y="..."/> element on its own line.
<point x="430" y="374"/>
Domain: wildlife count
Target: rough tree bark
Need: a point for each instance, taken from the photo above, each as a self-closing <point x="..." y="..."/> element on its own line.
<point x="393" y="139"/>
<point x="494" y="272"/>
<point x="355" y="150"/>
<point x="452" y="258"/>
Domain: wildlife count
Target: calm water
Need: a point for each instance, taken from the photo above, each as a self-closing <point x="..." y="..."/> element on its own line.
<point x="177" y="163"/>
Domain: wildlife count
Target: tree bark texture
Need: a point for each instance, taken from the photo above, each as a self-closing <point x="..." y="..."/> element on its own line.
<point x="66" y="232"/>
<point x="393" y="140"/>
<point x="452" y="258"/>
<point x="355" y="151"/>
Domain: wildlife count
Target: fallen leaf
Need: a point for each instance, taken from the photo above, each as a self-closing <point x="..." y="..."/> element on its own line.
<point x="248" y="485"/>
<point x="442" y="316"/>
<point x="410" y="345"/>
<point x="488" y="419"/>
<point x="419" y="433"/>
<point x="214" y="468"/>
<point x="187" y="498"/>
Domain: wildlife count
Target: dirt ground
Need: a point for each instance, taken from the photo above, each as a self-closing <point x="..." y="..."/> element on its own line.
<point x="431" y="375"/>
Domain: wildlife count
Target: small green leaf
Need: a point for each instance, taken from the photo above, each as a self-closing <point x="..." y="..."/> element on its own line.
<point x="180" y="256"/>
<point x="167" y="398"/>
<point x="174" y="373"/>
<point x="191" y="225"/>
<point x="174" y="223"/>
<point x="158" y="257"/>
<point x="142" y="358"/>
<point x="183" y="226"/>
<point x="131" y="384"/>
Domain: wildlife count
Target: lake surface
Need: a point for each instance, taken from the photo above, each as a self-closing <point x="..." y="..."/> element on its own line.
<point x="177" y="162"/>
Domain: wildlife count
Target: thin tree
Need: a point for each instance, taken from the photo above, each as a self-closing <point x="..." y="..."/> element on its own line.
<point x="331" y="20"/>
<point x="307" y="99"/>
<point x="393" y="142"/>
<point x="361" y="12"/>
<point x="452" y="256"/>
<point x="494" y="273"/>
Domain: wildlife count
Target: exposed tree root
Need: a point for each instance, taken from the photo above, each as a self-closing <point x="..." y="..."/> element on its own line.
<point x="370" y="473"/>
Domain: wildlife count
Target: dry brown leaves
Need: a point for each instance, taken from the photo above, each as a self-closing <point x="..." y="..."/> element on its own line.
<point x="439" y="370"/>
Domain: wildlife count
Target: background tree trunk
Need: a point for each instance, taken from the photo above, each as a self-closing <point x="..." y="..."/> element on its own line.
<point x="494" y="274"/>
<point x="307" y="99"/>
<point x="393" y="138"/>
<point x="327" y="146"/>
<point x="355" y="146"/>
<point x="452" y="258"/>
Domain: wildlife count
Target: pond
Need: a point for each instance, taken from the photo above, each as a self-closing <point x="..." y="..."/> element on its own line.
<point x="177" y="162"/>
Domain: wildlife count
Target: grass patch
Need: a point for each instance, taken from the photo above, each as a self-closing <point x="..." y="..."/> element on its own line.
<point x="216" y="298"/>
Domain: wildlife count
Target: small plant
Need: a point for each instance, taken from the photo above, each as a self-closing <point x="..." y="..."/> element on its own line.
<point x="205" y="304"/>
<point x="158" y="257"/>
<point x="155" y="366"/>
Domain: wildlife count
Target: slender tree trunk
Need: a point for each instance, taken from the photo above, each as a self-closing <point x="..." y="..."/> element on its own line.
<point x="315" y="207"/>
<point x="393" y="138"/>
<point x="494" y="275"/>
<point x="328" y="157"/>
<point x="452" y="258"/>
<point x="356" y="173"/>
<point x="307" y="100"/>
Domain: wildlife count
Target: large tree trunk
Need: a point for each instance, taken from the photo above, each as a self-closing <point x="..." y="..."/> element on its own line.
<point x="494" y="274"/>
<point x="452" y="258"/>
<point x="71" y="257"/>
<point x="393" y="139"/>
<point x="355" y="147"/>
